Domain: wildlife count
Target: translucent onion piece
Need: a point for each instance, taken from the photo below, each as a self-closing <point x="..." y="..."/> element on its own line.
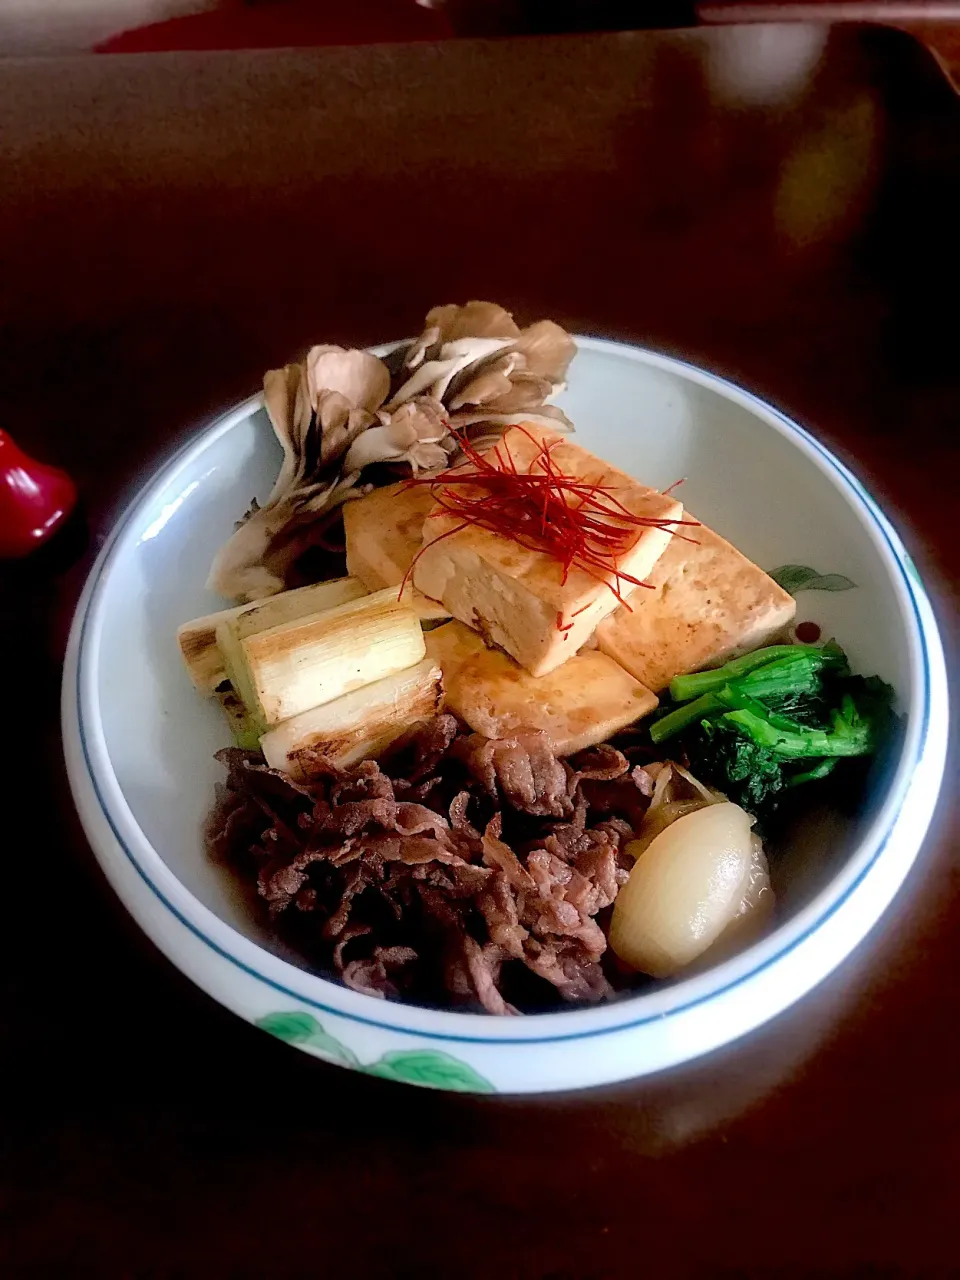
<point x="753" y="915"/>
<point x="676" y="792"/>
<point x="683" y="890"/>
<point x="704" y="792"/>
<point x="658" y="819"/>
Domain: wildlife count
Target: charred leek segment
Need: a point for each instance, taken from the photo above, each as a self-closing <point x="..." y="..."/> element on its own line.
<point x="292" y="668"/>
<point x="198" y="648"/>
<point x="355" y="726"/>
<point x="198" y="639"/>
<point x="241" y="726"/>
<point x="276" y="611"/>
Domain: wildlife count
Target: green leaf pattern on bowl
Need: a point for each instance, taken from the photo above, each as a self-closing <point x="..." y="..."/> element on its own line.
<point x="430" y="1068"/>
<point x="304" y="1029"/>
<point x="800" y="577"/>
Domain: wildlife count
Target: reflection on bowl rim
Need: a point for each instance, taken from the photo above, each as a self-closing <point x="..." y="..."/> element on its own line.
<point x="924" y="744"/>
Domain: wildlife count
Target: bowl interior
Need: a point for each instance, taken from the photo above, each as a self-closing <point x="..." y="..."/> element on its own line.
<point x="652" y="417"/>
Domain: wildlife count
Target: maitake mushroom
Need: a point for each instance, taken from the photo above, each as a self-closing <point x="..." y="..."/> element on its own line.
<point x="471" y="372"/>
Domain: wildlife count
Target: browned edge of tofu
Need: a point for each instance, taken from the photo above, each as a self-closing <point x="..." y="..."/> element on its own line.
<point x="586" y="701"/>
<point x="708" y="603"/>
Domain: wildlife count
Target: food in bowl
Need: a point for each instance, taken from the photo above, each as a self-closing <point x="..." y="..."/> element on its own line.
<point x="519" y="749"/>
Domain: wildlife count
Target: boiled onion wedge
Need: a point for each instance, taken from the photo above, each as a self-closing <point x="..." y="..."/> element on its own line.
<point x="684" y="890"/>
<point x="357" y="725"/>
<point x="287" y="669"/>
<point x="198" y="638"/>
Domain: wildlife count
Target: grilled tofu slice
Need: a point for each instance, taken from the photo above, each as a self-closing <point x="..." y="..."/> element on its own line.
<point x="384" y="532"/>
<point x="708" y="603"/>
<point x="517" y="597"/>
<point x="583" y="702"/>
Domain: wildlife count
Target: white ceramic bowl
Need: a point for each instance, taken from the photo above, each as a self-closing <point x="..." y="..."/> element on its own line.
<point x="139" y="742"/>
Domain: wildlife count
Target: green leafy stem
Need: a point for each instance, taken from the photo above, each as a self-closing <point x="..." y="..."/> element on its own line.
<point x="800" y="577"/>
<point x="428" y="1067"/>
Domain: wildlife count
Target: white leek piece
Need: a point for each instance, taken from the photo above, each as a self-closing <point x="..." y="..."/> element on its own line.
<point x="241" y="726"/>
<point x="356" y="725"/>
<point x="198" y="638"/>
<point x="198" y="647"/>
<point x="305" y="663"/>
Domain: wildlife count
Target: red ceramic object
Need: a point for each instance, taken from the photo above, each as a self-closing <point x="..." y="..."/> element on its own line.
<point x="238" y="24"/>
<point x="35" y="499"/>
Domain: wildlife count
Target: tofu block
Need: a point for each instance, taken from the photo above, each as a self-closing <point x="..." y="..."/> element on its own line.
<point x="708" y="604"/>
<point x="451" y="645"/>
<point x="384" y="532"/>
<point x="583" y="702"/>
<point x="516" y="597"/>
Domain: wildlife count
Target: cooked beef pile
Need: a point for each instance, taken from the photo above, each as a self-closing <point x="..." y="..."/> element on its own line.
<point x="458" y="871"/>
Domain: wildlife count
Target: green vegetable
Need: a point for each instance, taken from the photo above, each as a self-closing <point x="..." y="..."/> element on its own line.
<point x="749" y="775"/>
<point x="802" y="708"/>
<point x="776" y="718"/>
<point x="802" y="742"/>
<point x="670" y="725"/>
<point x="738" y="697"/>
<point x="247" y="738"/>
<point x="683" y="688"/>
<point x="787" y="677"/>
<point x="818" y="771"/>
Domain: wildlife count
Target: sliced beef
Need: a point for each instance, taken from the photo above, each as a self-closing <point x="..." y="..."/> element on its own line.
<point x="441" y="870"/>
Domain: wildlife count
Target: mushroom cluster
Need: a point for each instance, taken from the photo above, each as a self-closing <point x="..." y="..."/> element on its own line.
<point x="472" y="371"/>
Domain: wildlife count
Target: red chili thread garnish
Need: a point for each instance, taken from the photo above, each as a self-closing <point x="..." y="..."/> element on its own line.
<point x="676" y="533"/>
<point x="578" y="522"/>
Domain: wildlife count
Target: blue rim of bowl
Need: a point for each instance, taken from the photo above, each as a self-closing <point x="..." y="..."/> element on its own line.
<point x="911" y="580"/>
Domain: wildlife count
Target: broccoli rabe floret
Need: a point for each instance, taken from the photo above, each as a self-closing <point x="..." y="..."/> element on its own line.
<point x="773" y="719"/>
<point x="749" y="775"/>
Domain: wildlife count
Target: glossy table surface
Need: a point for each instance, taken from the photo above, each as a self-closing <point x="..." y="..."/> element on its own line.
<point x="779" y="204"/>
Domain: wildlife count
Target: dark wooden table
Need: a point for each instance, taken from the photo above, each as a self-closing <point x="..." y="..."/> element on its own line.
<point x="171" y="227"/>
